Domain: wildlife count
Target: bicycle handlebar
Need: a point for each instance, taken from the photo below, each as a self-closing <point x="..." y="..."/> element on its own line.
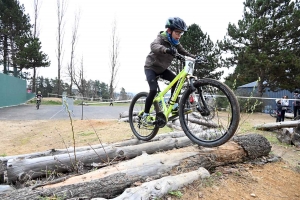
<point x="199" y="59"/>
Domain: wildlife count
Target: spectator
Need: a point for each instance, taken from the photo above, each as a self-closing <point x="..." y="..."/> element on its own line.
<point x="284" y="104"/>
<point x="111" y="102"/>
<point x="278" y="110"/>
<point x="296" y="104"/>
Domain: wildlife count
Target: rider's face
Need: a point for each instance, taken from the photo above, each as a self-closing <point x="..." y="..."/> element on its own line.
<point x="176" y="34"/>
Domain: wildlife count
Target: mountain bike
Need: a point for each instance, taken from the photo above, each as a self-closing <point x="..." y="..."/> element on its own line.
<point x="38" y="103"/>
<point x="273" y="111"/>
<point x="209" y="112"/>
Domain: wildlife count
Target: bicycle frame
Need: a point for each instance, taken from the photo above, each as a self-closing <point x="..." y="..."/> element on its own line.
<point x="188" y="70"/>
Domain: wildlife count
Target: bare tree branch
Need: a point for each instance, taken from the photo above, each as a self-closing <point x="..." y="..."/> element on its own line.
<point x="71" y="69"/>
<point x="61" y="9"/>
<point x="114" y="58"/>
<point x="36" y="8"/>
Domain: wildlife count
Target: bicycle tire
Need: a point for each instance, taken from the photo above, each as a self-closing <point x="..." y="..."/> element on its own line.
<point x="206" y="131"/>
<point x="273" y="113"/>
<point x="37" y="105"/>
<point x="136" y="109"/>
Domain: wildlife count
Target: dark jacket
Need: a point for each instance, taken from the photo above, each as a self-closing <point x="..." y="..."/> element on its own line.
<point x="157" y="60"/>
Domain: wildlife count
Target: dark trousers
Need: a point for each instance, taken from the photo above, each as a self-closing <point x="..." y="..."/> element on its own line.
<point x="278" y="118"/>
<point x="296" y="109"/>
<point x="282" y="115"/>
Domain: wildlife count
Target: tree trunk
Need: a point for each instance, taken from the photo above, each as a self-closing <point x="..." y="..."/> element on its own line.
<point x="158" y="188"/>
<point x="23" y="169"/>
<point x="110" y="181"/>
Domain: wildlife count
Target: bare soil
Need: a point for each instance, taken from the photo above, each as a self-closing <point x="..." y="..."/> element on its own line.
<point x="277" y="180"/>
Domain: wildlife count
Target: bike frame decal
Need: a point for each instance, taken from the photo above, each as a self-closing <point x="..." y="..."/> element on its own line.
<point x="160" y="97"/>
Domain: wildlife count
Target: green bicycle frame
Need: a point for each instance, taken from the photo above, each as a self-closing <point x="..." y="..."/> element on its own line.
<point x="188" y="70"/>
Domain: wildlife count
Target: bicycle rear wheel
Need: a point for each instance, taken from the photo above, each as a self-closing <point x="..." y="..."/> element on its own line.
<point x="273" y="113"/>
<point x="136" y="111"/>
<point x="215" y="128"/>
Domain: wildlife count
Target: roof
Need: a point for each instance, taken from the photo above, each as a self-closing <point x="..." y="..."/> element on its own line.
<point x="250" y="85"/>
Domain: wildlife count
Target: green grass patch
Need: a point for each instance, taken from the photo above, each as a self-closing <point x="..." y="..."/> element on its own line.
<point x="86" y="134"/>
<point x="45" y="102"/>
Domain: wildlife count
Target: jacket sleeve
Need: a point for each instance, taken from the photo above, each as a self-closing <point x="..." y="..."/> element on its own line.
<point x="184" y="52"/>
<point x="157" y="47"/>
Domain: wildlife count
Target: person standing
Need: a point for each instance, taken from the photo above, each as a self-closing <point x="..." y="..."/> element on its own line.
<point x="111" y="102"/>
<point x="296" y="103"/>
<point x="284" y="104"/>
<point x="278" y="110"/>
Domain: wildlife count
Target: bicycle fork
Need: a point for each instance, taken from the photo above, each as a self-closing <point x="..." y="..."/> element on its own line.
<point x="201" y="107"/>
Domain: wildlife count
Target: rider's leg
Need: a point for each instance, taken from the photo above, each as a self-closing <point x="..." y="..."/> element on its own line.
<point x="151" y="79"/>
<point x="169" y="76"/>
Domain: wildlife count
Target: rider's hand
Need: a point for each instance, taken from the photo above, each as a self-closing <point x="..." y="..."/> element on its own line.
<point x="172" y="51"/>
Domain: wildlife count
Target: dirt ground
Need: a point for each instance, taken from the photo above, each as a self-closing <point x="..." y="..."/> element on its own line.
<point x="276" y="180"/>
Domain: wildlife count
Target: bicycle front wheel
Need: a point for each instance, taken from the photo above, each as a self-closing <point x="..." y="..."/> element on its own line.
<point x="216" y="126"/>
<point x="136" y="111"/>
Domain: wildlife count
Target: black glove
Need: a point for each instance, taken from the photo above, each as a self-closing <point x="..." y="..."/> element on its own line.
<point x="172" y="51"/>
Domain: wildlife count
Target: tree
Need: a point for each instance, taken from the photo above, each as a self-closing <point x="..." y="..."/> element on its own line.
<point x="114" y="59"/>
<point x="30" y="54"/>
<point x="73" y="46"/>
<point x="198" y="43"/>
<point x="264" y="45"/>
<point x="61" y="9"/>
<point x="123" y="94"/>
<point x="14" y="24"/>
<point x="79" y="80"/>
<point x="36" y="9"/>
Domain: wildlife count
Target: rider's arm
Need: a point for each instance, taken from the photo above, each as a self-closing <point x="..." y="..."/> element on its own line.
<point x="184" y="52"/>
<point x="157" y="47"/>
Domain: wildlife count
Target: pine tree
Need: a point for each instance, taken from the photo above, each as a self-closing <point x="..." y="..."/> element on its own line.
<point x="198" y="43"/>
<point x="262" y="45"/>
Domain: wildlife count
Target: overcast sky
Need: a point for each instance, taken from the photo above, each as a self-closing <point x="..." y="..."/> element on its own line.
<point x="138" y="23"/>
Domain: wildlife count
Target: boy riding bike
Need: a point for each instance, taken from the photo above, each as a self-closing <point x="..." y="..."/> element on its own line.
<point x="38" y="97"/>
<point x="163" y="50"/>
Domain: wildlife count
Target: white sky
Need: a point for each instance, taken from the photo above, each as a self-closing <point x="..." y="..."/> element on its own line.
<point x="138" y="21"/>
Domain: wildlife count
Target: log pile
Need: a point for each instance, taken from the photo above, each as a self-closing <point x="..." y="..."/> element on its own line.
<point x="154" y="165"/>
<point x="288" y="131"/>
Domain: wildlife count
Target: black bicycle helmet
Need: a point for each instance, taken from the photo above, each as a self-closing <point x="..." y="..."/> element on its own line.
<point x="176" y="23"/>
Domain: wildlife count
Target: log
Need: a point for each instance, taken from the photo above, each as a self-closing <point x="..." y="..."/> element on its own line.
<point x="53" y="152"/>
<point x="23" y="169"/>
<point x="111" y="181"/>
<point x="296" y="136"/>
<point x="161" y="187"/>
<point x="277" y="125"/>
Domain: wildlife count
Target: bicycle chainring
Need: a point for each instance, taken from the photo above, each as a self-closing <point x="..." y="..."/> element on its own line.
<point x="161" y="120"/>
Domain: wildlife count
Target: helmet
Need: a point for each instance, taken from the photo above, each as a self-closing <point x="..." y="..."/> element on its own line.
<point x="39" y="92"/>
<point x="176" y="23"/>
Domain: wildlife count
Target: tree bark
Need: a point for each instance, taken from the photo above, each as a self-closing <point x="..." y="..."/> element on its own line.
<point x="158" y="188"/>
<point x="23" y="169"/>
<point x="111" y="181"/>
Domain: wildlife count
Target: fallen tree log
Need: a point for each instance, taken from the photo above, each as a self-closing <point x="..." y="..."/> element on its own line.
<point x="110" y="181"/>
<point x="277" y="125"/>
<point x="23" y="169"/>
<point x="158" y="188"/>
<point x="55" y="152"/>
